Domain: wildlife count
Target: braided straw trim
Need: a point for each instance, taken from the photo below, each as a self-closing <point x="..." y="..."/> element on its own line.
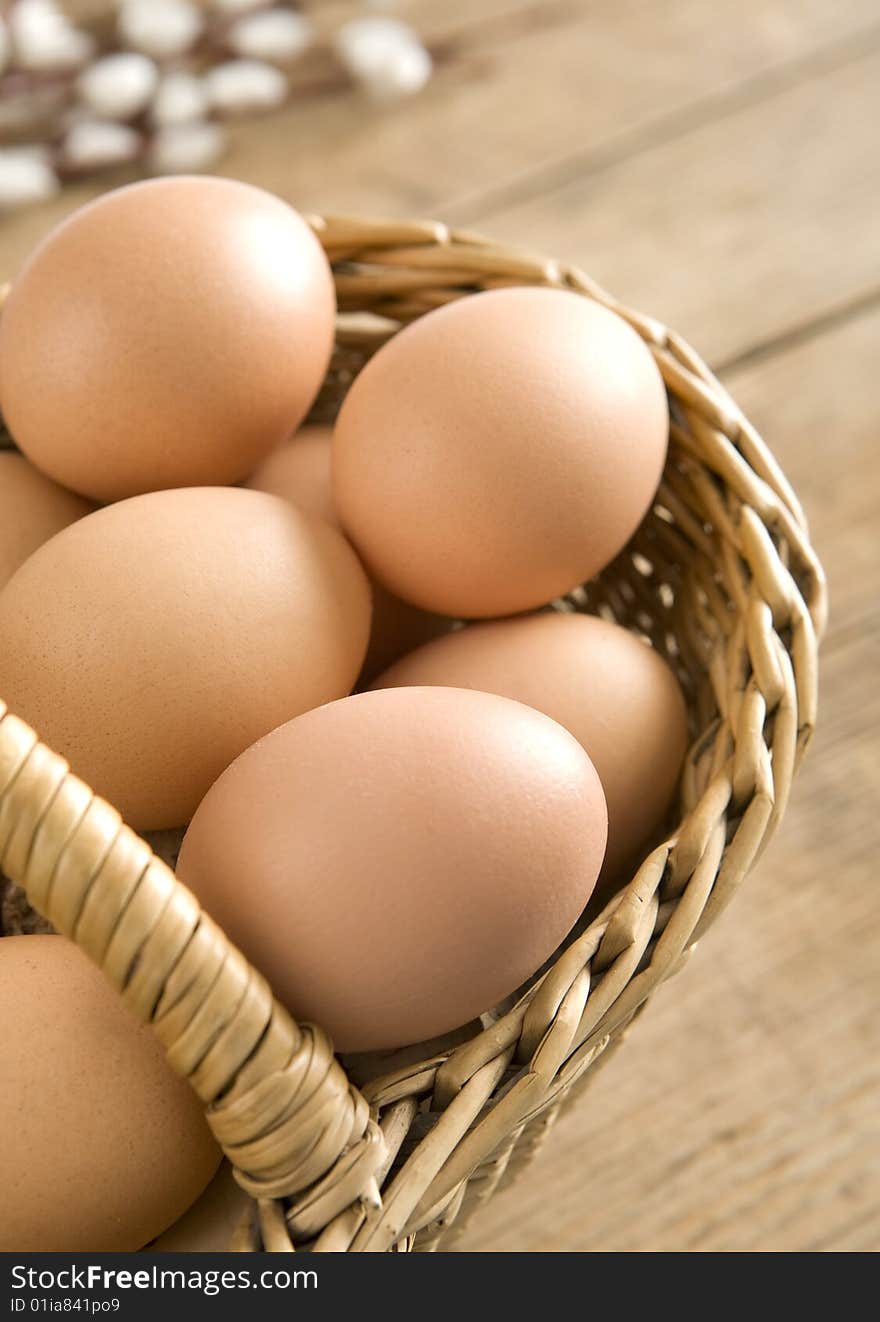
<point x="277" y="1100"/>
<point x="720" y="577"/>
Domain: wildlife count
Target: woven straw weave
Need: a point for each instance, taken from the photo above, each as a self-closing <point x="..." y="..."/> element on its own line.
<point x="720" y="576"/>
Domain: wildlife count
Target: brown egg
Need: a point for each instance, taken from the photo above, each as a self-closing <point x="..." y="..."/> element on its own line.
<point x="156" y="639"/>
<point x="299" y="471"/>
<point x="169" y="334"/>
<point x="32" y="509"/>
<point x="500" y="450"/>
<point x="615" y="694"/>
<point x="397" y="862"/>
<point x="103" y="1145"/>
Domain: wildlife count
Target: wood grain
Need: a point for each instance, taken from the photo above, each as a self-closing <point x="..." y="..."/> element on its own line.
<point x="717" y="165"/>
<point x="733" y="233"/>
<point x="577" y="78"/>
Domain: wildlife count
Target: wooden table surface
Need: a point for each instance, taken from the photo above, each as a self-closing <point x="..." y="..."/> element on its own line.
<point x="717" y="165"/>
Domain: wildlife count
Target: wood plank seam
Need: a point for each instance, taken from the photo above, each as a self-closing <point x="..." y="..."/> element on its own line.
<point x="666" y="128"/>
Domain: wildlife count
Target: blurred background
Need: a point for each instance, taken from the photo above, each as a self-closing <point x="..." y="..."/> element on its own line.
<point x="717" y="166"/>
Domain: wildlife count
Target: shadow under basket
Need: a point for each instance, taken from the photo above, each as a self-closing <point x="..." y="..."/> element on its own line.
<point x="722" y="579"/>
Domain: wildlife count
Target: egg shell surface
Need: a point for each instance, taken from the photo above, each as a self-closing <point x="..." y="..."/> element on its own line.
<point x="103" y="1145"/>
<point x="500" y="450"/>
<point x="168" y="334"/>
<point x="299" y="471"/>
<point x="32" y="509"/>
<point x="613" y="692"/>
<point x="156" y="639"/>
<point x="398" y="862"/>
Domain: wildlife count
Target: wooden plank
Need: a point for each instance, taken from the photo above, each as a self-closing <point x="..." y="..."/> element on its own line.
<point x="741" y="1114"/>
<point x="429" y="17"/>
<point x="445" y="20"/>
<point x="505" y="105"/>
<point x="739" y="230"/>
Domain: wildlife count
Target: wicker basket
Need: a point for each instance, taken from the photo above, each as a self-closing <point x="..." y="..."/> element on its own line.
<point x="722" y="578"/>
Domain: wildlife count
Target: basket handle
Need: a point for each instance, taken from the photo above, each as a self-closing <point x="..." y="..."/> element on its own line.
<point x="278" y="1101"/>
